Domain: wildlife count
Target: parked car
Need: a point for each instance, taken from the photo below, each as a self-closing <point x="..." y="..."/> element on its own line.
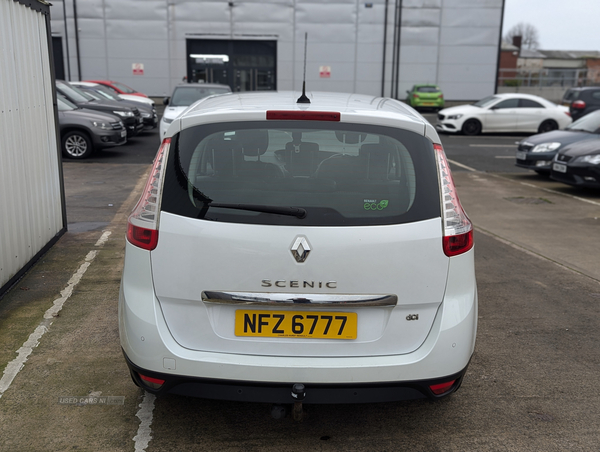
<point x="538" y="151"/>
<point x="130" y="116"/>
<point x="310" y="248"/>
<point x="582" y="100"/>
<point x="429" y="96"/>
<point x="504" y="113"/>
<point x="185" y="95"/>
<point x="84" y="131"/>
<point x="120" y="88"/>
<point x="100" y="92"/>
<point x="578" y="164"/>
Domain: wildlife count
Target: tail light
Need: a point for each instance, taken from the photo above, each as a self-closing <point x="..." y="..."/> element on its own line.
<point x="416" y="96"/>
<point x="441" y="96"/>
<point x="578" y="104"/>
<point x="142" y="225"/>
<point x="457" y="228"/>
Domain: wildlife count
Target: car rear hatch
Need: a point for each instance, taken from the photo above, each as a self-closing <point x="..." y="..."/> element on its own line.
<point x="300" y="239"/>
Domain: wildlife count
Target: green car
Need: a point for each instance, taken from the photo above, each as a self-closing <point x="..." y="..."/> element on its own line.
<point x="425" y="96"/>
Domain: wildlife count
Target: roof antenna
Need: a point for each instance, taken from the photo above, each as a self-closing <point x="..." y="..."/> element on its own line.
<point x="303" y="99"/>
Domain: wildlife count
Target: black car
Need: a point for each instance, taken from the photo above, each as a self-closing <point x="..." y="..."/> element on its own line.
<point x="83" y="131"/>
<point x="538" y="151"/>
<point x="130" y="116"/>
<point x="582" y="100"/>
<point x="101" y="92"/>
<point x="578" y="164"/>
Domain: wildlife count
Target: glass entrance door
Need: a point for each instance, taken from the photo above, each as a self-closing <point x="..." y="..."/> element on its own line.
<point x="254" y="79"/>
<point x="243" y="65"/>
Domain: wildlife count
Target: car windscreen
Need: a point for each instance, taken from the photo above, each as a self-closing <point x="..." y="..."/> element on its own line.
<point x="570" y="95"/>
<point x="428" y="89"/>
<point x="486" y="101"/>
<point x="184" y="96"/>
<point x="74" y="94"/>
<point x="589" y="122"/>
<point x="341" y="175"/>
<point x="105" y="92"/>
<point x="126" y="89"/>
<point x="64" y="104"/>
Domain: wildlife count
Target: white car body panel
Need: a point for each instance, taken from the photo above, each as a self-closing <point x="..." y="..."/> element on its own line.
<point x="197" y="250"/>
<point x="140" y="99"/>
<point x="504" y="120"/>
<point x="147" y="340"/>
<point x="167" y="326"/>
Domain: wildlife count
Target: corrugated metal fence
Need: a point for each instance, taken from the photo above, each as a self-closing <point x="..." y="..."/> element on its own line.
<point x="32" y="214"/>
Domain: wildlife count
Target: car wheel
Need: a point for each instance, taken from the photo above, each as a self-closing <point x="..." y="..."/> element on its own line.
<point x="76" y="145"/>
<point x="547" y="126"/>
<point x="471" y="127"/>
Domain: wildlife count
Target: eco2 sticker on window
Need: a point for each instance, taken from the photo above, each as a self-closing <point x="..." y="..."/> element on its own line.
<point x="373" y="204"/>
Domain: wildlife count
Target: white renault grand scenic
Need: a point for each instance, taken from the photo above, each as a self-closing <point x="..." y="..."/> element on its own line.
<point x="280" y="243"/>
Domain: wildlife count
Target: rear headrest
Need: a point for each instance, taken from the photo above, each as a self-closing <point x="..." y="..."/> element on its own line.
<point x="303" y="146"/>
<point x="253" y="142"/>
<point x="225" y="154"/>
<point x="350" y="137"/>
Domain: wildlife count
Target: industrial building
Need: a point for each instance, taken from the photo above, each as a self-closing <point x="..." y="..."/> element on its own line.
<point x="379" y="47"/>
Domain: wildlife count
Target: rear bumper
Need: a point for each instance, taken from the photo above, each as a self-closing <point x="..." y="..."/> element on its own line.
<point x="581" y="176"/>
<point x="150" y="348"/>
<point x="280" y="393"/>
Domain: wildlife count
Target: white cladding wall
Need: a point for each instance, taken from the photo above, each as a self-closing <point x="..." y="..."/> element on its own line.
<point x="450" y="42"/>
<point x="30" y="188"/>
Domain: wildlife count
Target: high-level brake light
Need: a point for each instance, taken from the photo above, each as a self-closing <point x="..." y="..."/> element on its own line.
<point x="298" y="115"/>
<point x="142" y="225"/>
<point x="457" y="228"/>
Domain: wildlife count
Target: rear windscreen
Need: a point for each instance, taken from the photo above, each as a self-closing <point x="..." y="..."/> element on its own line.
<point x="340" y="174"/>
<point x="428" y="89"/>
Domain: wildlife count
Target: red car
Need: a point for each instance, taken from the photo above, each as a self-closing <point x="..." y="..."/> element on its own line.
<point x="120" y="88"/>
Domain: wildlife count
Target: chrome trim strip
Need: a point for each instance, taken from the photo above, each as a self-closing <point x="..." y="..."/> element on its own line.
<point x="294" y="299"/>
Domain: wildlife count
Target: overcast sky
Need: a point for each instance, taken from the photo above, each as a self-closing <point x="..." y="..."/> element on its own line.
<point x="562" y="24"/>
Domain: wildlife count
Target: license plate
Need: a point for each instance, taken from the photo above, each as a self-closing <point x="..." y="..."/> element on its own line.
<point x="521" y="155"/>
<point x="298" y="324"/>
<point x="427" y="103"/>
<point x="123" y="133"/>
<point x="559" y="167"/>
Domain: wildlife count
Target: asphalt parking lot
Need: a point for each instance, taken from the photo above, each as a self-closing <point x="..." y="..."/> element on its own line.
<point x="531" y="385"/>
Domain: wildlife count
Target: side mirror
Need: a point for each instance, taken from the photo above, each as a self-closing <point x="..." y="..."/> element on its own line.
<point x="407" y="92"/>
<point x="166" y="100"/>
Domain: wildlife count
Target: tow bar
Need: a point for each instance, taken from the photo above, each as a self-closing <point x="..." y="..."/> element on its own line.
<point x="298" y="394"/>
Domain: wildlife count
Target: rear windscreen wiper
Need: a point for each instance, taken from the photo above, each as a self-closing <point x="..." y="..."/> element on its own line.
<point x="291" y="211"/>
<point x="278" y="210"/>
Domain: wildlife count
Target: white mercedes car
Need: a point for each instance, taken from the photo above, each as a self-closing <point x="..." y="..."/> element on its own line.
<point x="185" y="95"/>
<point x="504" y="113"/>
<point x="283" y="247"/>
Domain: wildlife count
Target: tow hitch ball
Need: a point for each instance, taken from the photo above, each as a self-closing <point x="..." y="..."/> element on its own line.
<point x="298" y="394"/>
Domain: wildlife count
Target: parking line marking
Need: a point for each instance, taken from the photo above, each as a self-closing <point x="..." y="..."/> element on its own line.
<point x="144" y="433"/>
<point x="15" y="366"/>
<point x="468" y="168"/>
<point x="549" y="190"/>
<point x="532" y="253"/>
<point x="103" y="238"/>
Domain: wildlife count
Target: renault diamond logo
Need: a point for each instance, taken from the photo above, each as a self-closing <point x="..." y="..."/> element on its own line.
<point x="300" y="249"/>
